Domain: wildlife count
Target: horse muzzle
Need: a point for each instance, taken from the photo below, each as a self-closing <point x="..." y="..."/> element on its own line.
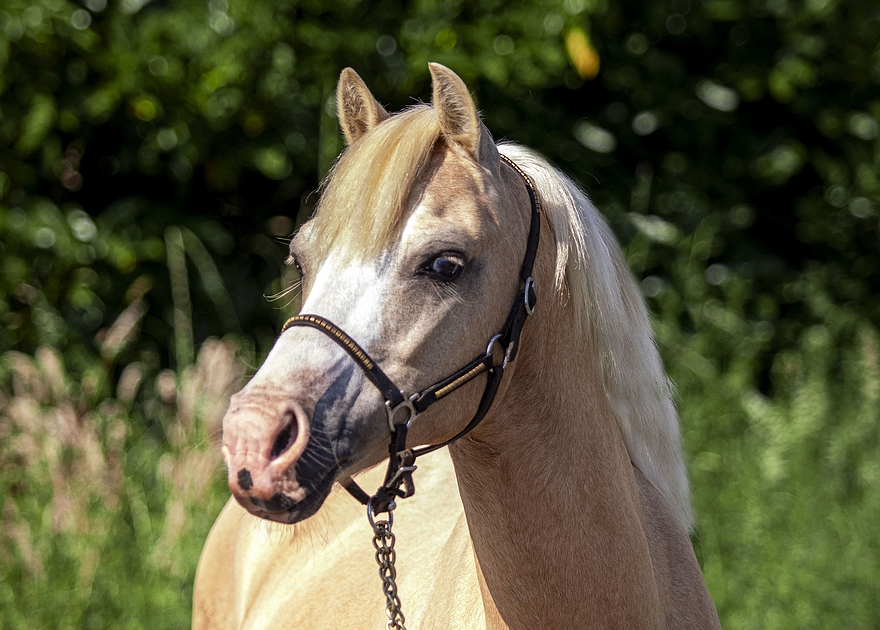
<point x="264" y="436"/>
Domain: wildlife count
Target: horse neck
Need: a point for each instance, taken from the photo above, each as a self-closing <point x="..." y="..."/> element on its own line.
<point x="550" y="495"/>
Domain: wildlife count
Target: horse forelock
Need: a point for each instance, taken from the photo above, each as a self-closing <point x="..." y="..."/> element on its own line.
<point x="366" y="192"/>
<point x="609" y="308"/>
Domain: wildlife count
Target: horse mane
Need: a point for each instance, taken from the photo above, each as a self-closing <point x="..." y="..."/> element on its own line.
<point x="610" y="308"/>
<point x="362" y="205"/>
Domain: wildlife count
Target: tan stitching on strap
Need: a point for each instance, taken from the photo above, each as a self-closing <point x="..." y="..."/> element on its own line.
<point x="459" y="381"/>
<point x="333" y="330"/>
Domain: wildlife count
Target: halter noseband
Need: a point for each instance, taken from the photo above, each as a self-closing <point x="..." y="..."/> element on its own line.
<point x="402" y="408"/>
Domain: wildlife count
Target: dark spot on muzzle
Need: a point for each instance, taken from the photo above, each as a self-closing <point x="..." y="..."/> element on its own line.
<point x="340" y="392"/>
<point x="278" y="503"/>
<point x="244" y="479"/>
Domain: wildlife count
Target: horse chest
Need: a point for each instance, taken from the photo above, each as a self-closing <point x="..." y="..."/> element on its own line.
<point x="322" y="573"/>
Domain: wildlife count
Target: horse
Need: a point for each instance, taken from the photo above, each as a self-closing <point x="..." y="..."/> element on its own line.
<point x="566" y="503"/>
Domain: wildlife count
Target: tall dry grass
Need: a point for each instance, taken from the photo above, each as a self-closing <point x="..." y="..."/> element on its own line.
<point x="107" y="496"/>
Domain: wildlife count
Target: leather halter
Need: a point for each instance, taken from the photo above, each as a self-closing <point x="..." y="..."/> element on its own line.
<point x="402" y="408"/>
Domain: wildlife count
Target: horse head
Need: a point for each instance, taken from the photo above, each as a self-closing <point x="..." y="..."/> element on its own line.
<point x="414" y="252"/>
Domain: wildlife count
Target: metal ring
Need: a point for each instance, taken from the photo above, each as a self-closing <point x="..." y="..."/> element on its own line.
<point x="492" y="343"/>
<point x="371" y="517"/>
<point x="530" y="286"/>
<point x="507" y="351"/>
<point x="406" y="404"/>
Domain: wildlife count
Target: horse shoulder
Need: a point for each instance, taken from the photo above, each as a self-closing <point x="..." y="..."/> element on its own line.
<point x="680" y="582"/>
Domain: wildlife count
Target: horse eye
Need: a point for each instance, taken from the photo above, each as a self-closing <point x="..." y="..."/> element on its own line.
<point x="295" y="262"/>
<point x="444" y="268"/>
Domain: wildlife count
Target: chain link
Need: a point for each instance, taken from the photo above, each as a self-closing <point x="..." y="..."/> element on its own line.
<point x="383" y="542"/>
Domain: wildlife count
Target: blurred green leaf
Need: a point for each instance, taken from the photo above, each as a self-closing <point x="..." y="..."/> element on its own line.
<point x="36" y="124"/>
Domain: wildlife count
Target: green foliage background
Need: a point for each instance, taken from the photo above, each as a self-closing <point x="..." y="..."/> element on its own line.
<point x="154" y="155"/>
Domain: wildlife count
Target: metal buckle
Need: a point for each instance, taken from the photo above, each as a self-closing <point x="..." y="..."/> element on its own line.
<point x="530" y="287"/>
<point x="406" y="404"/>
<point x="507" y="351"/>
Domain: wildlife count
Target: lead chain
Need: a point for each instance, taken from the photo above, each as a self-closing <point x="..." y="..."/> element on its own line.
<point x="383" y="542"/>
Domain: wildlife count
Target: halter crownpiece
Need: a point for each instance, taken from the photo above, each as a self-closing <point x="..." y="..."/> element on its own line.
<point x="403" y="408"/>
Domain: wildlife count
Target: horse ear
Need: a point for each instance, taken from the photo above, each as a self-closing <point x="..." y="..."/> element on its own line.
<point x="458" y="115"/>
<point x="455" y="108"/>
<point x="356" y="107"/>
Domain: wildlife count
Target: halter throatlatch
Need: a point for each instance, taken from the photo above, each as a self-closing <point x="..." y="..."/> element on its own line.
<point x="403" y="408"/>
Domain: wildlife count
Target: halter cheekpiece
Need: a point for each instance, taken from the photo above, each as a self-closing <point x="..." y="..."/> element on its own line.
<point x="403" y="408"/>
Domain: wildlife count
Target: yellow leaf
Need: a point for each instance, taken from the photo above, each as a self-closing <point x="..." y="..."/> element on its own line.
<point x="582" y="53"/>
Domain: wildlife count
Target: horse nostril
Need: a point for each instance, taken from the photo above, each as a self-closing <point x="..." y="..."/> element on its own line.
<point x="244" y="479"/>
<point x="284" y="440"/>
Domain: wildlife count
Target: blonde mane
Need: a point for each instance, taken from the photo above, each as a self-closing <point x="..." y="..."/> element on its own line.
<point x="610" y="308"/>
<point x="363" y="204"/>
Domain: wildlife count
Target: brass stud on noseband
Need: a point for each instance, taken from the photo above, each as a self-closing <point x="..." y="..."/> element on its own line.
<point x="460" y="381"/>
<point x="355" y="350"/>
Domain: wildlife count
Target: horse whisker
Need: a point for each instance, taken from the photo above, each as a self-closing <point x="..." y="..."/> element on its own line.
<point x="283" y="292"/>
